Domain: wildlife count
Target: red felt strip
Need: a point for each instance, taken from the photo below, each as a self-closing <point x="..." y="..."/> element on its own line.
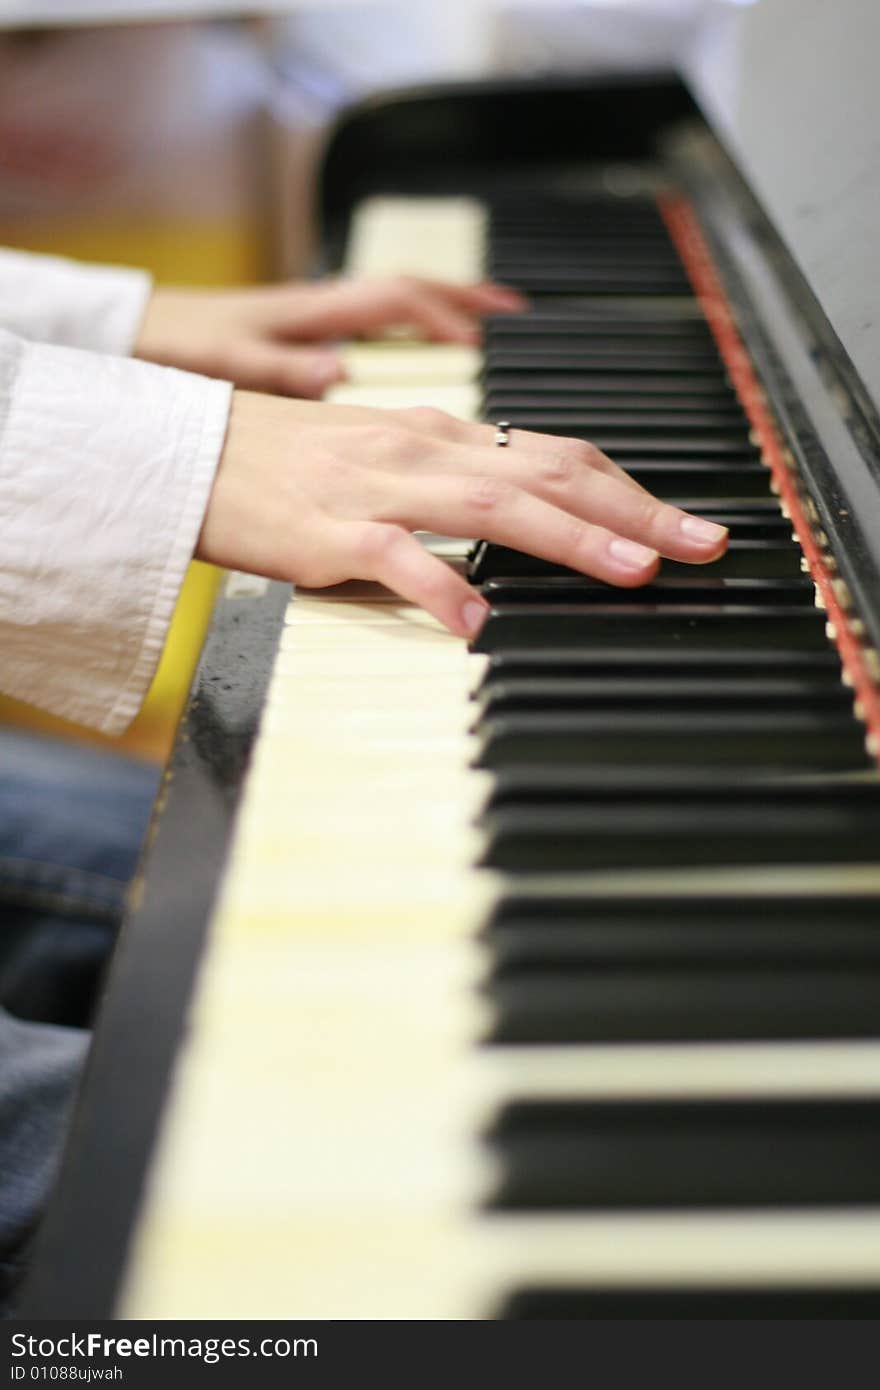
<point x="697" y="259"/>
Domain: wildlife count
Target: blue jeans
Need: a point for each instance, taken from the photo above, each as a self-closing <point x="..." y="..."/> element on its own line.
<point x="72" y="821"/>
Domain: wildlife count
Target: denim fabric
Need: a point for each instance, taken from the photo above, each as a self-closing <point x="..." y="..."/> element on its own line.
<point x="72" y="821"/>
<point x="39" y="1069"/>
<point x="71" y="824"/>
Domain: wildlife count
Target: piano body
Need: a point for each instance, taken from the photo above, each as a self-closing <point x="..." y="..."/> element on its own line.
<point x="541" y="980"/>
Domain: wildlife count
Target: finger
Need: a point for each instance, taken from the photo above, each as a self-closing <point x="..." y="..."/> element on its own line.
<point x="564" y="451"/>
<point x="568" y="481"/>
<point x="487" y="297"/>
<point x="348" y="308"/>
<point x="432" y="311"/>
<point x="444" y="312"/>
<point x="305" y="372"/>
<point x="497" y="510"/>
<point x="438" y="423"/>
<point x="393" y="557"/>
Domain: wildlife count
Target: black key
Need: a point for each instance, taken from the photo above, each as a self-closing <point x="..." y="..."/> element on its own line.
<point x="660" y="832"/>
<point x="732" y="448"/>
<point x="678" y="1004"/>
<point x="828" y="911"/>
<point x="577" y="239"/>
<point x="596" y="221"/>
<point x="825" y="741"/>
<point x="604" y="238"/>
<point x="687" y="1154"/>
<point x="549" y="784"/>
<point x="553" y="248"/>
<point x="744" y="559"/>
<point x="714" y="482"/>
<point x="604" y="243"/>
<point x="559" y="250"/>
<point x="547" y="694"/>
<point x="554" y="238"/>
<point x="536" y="328"/>
<point x="591" y="219"/>
<point x="749" y="518"/>
<point x="628" y="238"/>
<point x="535" y="324"/>
<point x="610" y="235"/>
<point x="539" y="380"/>
<point x="590" y="209"/>
<point x="580" y="210"/>
<point x="587" y="934"/>
<point x="586" y="1302"/>
<point x="525" y="626"/>
<point x="575" y="419"/>
<point x="595" y="413"/>
<point x="647" y="349"/>
<point x="533" y="947"/>
<point x="753" y="559"/>
<point x="662" y="410"/>
<point x="692" y="588"/>
<point x="596" y="279"/>
<point x="583" y="359"/>
<point x="568" y="246"/>
<point x="544" y="663"/>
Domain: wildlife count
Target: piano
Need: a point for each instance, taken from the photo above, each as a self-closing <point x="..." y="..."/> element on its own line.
<point x="540" y="980"/>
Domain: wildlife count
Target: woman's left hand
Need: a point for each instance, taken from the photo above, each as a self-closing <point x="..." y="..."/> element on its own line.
<point x="263" y="339"/>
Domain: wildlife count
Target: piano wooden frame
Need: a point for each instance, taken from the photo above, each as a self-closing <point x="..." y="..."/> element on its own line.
<point x="464" y="140"/>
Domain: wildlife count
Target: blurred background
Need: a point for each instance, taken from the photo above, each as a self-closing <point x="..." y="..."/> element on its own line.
<point x="185" y="138"/>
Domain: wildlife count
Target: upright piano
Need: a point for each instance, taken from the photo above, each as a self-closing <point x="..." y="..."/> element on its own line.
<point x="542" y="979"/>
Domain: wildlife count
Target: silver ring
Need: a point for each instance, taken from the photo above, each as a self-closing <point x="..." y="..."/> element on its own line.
<point x="502" y="433"/>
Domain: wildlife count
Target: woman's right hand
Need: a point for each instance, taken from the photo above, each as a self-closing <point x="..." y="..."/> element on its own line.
<point x="317" y="494"/>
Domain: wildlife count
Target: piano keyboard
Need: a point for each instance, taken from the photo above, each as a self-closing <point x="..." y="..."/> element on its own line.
<point x="629" y="1066"/>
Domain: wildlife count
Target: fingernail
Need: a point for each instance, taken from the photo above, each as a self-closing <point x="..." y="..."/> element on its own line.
<point x="706" y="532"/>
<point x="631" y="554"/>
<point x="473" y="615"/>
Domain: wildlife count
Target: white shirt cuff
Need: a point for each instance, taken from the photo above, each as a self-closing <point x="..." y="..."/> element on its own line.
<point x="106" y="467"/>
<point x="52" y="300"/>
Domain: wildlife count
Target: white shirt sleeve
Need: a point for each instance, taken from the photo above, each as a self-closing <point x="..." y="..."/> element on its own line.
<point x="52" y="300"/>
<point x="106" y="467"/>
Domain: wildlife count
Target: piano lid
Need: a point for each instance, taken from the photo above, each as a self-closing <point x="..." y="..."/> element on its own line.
<point x="791" y="86"/>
